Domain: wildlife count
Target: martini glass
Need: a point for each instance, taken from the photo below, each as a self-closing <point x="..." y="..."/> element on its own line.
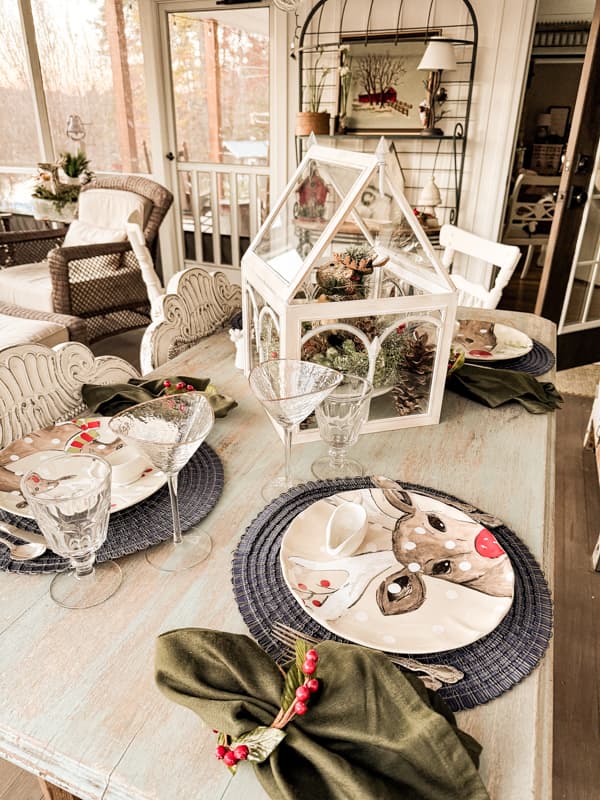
<point x="289" y="391"/>
<point x="69" y="496"/>
<point x="169" y="430"/>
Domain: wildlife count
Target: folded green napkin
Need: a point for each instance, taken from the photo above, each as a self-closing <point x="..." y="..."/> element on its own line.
<point x="112" y="398"/>
<point x="493" y="387"/>
<point x="371" y="732"/>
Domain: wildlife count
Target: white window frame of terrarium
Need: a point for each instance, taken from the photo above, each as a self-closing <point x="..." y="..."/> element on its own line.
<point x="288" y="316"/>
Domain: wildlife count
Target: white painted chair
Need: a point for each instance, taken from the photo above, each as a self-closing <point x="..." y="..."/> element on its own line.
<point x="197" y="303"/>
<point x="530" y="213"/>
<point x="502" y="256"/>
<point x="40" y="385"/>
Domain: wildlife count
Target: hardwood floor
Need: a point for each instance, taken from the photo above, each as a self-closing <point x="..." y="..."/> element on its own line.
<point x="576" y="767"/>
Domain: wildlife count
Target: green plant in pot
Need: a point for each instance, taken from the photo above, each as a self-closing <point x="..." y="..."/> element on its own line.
<point x="76" y="167"/>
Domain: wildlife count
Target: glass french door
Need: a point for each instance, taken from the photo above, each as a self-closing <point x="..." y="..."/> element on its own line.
<point x="569" y="291"/>
<point x="218" y="65"/>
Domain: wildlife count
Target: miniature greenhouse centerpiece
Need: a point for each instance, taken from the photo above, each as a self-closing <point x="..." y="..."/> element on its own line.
<point x="343" y="274"/>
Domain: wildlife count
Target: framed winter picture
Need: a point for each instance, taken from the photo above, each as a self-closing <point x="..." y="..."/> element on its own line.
<point x="384" y="88"/>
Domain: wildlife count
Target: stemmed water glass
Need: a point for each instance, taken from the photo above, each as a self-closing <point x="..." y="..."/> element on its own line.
<point x="69" y="496"/>
<point x="289" y="390"/>
<point x="340" y="417"/>
<point x="169" y="430"/>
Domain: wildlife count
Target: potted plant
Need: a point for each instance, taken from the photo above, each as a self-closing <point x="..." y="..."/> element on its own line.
<point x="74" y="168"/>
<point x="58" y="185"/>
<point x="313" y="120"/>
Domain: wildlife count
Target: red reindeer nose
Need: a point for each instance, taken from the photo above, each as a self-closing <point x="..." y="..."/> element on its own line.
<point x="486" y="544"/>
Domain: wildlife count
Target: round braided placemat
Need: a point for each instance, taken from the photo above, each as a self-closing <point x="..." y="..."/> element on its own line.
<point x="492" y="665"/>
<point x="536" y="362"/>
<point x="144" y="524"/>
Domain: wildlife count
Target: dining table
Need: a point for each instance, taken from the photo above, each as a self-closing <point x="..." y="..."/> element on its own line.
<point x="79" y="706"/>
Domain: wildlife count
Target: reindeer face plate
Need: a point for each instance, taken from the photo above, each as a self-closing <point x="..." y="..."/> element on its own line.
<point x="134" y="479"/>
<point x="388" y="594"/>
<point x="484" y="341"/>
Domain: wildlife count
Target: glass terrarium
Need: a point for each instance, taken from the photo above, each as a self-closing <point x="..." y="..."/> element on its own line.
<point x="343" y="273"/>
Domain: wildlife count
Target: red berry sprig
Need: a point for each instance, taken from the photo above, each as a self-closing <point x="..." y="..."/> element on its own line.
<point x="305" y="667"/>
<point x="179" y="388"/>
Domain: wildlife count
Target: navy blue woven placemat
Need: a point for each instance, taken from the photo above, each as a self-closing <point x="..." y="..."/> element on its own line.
<point x="537" y="361"/>
<point x="492" y="665"/>
<point x="144" y="524"/>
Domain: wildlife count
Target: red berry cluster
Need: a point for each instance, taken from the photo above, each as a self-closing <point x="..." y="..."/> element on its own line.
<point x="180" y="386"/>
<point x="309" y="686"/>
<point x="231" y="757"/>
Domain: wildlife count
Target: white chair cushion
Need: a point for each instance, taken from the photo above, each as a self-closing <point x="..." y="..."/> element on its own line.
<point x="16" y="330"/>
<point x="111" y="208"/>
<point x="81" y="232"/>
<point x="27" y="285"/>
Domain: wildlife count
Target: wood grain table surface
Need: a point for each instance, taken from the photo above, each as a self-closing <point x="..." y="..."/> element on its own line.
<point x="78" y="704"/>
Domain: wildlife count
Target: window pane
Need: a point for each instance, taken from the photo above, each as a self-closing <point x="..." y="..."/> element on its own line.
<point x="220" y="79"/>
<point x="92" y="66"/>
<point x="18" y="132"/>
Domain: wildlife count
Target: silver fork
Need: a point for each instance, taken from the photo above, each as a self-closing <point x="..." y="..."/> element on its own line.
<point x="438" y="673"/>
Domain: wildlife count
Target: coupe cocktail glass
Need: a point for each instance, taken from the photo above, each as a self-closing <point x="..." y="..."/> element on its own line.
<point x="169" y="430"/>
<point x="340" y="417"/>
<point x="69" y="496"/>
<point x="289" y="391"/>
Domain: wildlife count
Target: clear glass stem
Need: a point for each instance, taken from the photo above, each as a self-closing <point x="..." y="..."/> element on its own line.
<point x="172" y="482"/>
<point x="337" y="456"/>
<point x="83" y="565"/>
<point x="287" y="442"/>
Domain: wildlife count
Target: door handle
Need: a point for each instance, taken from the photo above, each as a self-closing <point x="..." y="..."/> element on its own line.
<point x="577" y="197"/>
<point x="170" y="156"/>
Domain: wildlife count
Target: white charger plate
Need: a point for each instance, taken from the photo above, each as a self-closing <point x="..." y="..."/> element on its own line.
<point x="510" y="343"/>
<point x="341" y="593"/>
<point x="84" y="434"/>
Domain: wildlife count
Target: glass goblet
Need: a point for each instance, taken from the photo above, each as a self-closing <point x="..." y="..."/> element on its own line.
<point x="169" y="430"/>
<point x="69" y="496"/>
<point x="340" y="417"/>
<point x="289" y="390"/>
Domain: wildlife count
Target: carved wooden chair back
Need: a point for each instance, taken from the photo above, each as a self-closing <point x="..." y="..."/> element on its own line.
<point x="501" y="256"/>
<point x="40" y="385"/>
<point x="196" y="304"/>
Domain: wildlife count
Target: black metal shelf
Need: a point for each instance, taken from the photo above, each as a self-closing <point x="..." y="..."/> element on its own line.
<point x="332" y="24"/>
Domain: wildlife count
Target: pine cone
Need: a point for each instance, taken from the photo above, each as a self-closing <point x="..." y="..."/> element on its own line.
<point x="368" y="325"/>
<point x="411" y="393"/>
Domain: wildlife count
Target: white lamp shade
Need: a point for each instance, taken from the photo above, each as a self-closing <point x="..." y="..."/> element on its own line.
<point x="430" y="195"/>
<point x="439" y="55"/>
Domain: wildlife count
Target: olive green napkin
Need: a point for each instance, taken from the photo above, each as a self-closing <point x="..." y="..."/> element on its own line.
<point x="112" y="398"/>
<point x="494" y="387"/>
<point x="371" y="732"/>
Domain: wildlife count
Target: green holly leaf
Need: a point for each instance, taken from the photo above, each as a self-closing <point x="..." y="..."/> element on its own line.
<point x="302" y="649"/>
<point x="260" y="742"/>
<point x="293" y="679"/>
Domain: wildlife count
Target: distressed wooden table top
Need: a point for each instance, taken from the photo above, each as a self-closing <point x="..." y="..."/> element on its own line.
<point x="78" y="703"/>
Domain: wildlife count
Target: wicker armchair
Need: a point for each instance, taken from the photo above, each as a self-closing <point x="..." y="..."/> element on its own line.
<point x="98" y="282"/>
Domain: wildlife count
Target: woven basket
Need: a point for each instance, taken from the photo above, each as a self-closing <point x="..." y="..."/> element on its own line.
<point x="316" y="122"/>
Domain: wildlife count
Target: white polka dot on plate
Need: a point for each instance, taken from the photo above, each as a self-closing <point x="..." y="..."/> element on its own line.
<point x="465" y="566"/>
<point x="409" y="546"/>
<point x="361" y="616"/>
<point x="55" y="441"/>
<point x="28" y="440"/>
<point x="449" y="545"/>
<point x="101" y="447"/>
<point x="389" y="639"/>
<point x="394" y="588"/>
<point x="451" y="594"/>
<point x="438" y="628"/>
<point x="16" y="491"/>
<point x="419" y="530"/>
<point x="14" y="457"/>
<point x="413" y="566"/>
